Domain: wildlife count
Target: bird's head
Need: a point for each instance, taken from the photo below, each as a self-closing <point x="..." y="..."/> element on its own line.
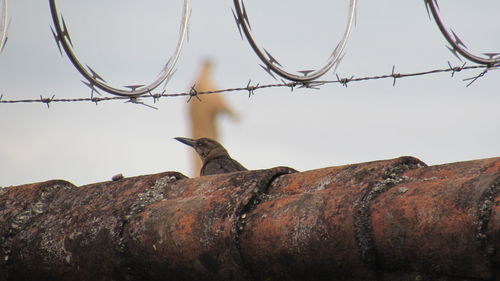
<point x="205" y="147"/>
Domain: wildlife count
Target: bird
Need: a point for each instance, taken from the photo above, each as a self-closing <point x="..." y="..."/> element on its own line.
<point x="204" y="113"/>
<point x="214" y="156"/>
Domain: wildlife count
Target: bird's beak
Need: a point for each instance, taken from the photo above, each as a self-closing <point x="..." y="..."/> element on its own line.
<point x="186" y="141"/>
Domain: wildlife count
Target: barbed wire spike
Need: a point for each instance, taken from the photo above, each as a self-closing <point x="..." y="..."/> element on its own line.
<point x="168" y="78"/>
<point x="162" y="71"/>
<point x="4" y="43"/>
<point x="132" y="100"/>
<point x="437" y="5"/>
<point x="426" y="2"/>
<point x="455" y="69"/>
<point x="304" y="85"/>
<point x="245" y="15"/>
<point x="305" y="72"/>
<point x="454" y="52"/>
<point x="238" y="23"/>
<point x="47" y="101"/>
<point x="4" y="26"/>
<point x="316" y="84"/>
<point x="344" y="81"/>
<point x="339" y="80"/>
<point x="95" y="75"/>
<point x="193" y="93"/>
<point x="355" y="16"/>
<point x="58" y="40"/>
<point x="95" y="100"/>
<point x="491" y="55"/>
<point x="395" y="75"/>
<point x="291" y="84"/>
<point x="310" y="85"/>
<point x="65" y="31"/>
<point x="135" y="100"/>
<point x="92" y="88"/>
<point x="271" y="58"/>
<point x="475" y="78"/>
<point x="451" y="68"/>
<point x="156" y="97"/>
<point x="339" y="61"/>
<point x="334" y="52"/>
<point x="251" y="89"/>
<point x="188" y="30"/>
<point x="134" y="87"/>
<point x="269" y="71"/>
<point x="151" y="95"/>
<point x="458" y="41"/>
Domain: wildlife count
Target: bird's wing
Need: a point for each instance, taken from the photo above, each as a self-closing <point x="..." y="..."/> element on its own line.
<point x="220" y="166"/>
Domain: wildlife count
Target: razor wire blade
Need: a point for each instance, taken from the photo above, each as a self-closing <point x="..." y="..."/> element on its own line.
<point x="3" y="25"/>
<point x="457" y="45"/>
<point x="271" y="65"/>
<point x="94" y="80"/>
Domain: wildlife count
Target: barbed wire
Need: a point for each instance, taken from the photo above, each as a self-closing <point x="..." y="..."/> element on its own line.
<point x="251" y="88"/>
<point x="93" y="80"/>
<point x="271" y="64"/>
<point x="3" y="25"/>
<point x="458" y="46"/>
<point x="306" y="77"/>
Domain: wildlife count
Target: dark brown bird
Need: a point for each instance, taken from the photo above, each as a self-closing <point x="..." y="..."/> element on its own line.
<point x="214" y="156"/>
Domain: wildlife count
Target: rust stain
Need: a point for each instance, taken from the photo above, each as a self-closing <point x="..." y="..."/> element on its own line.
<point x="414" y="229"/>
<point x="381" y="220"/>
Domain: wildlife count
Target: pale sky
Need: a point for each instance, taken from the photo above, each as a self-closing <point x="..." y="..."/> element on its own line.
<point x="434" y="118"/>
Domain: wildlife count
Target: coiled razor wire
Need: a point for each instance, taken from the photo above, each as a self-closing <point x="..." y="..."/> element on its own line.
<point x="272" y="65"/>
<point x="94" y="80"/>
<point x="457" y="45"/>
<point x="3" y="26"/>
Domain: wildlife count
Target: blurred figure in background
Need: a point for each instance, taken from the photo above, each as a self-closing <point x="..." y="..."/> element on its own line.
<point x="203" y="114"/>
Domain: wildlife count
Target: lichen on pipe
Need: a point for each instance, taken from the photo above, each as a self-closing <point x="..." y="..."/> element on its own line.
<point x="384" y="220"/>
